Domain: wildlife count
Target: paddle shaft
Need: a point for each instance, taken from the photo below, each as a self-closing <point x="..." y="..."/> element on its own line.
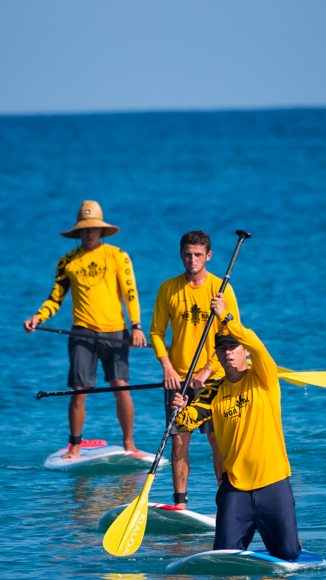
<point x="42" y="394"/>
<point x="303" y="378"/>
<point x="242" y="237"/>
<point x="70" y="392"/>
<point x="80" y="335"/>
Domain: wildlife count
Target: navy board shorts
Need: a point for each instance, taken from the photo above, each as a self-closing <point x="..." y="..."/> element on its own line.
<point x="270" y="510"/>
<point x="206" y="427"/>
<point x="87" y="347"/>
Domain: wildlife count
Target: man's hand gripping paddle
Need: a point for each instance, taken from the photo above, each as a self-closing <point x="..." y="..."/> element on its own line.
<point x="126" y="533"/>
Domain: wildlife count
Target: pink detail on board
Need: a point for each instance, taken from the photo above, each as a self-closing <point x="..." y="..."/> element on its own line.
<point x="92" y="443"/>
<point x="166" y="506"/>
<point x="136" y="453"/>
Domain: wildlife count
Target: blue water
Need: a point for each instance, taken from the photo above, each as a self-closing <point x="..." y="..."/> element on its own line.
<point x="156" y="176"/>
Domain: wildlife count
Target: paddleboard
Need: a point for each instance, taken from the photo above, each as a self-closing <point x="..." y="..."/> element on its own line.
<point x="231" y="562"/>
<point x="165" y="519"/>
<point x="97" y="452"/>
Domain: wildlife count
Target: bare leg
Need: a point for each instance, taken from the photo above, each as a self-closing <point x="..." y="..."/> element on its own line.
<point x="217" y="459"/>
<point x="180" y="463"/>
<point x="125" y="414"/>
<point x="77" y="414"/>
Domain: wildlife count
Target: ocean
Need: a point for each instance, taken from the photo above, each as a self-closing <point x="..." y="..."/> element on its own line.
<point x="157" y="176"/>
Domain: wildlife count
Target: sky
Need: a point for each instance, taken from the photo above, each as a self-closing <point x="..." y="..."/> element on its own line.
<point x="138" y="55"/>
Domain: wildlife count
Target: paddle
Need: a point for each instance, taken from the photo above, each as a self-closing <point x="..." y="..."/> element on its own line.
<point x="126" y="533"/>
<point x="302" y="378"/>
<point x="80" y="335"/>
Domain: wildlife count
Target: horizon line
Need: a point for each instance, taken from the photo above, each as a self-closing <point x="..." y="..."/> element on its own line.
<point x="135" y="111"/>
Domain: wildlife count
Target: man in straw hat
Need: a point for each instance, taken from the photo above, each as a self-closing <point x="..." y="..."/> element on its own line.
<point x="245" y="406"/>
<point x="98" y="275"/>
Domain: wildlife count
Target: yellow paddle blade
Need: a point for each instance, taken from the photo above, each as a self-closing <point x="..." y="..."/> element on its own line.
<point x="302" y="378"/>
<point x="285" y="375"/>
<point x="316" y="378"/>
<point x="126" y="533"/>
<point x="284" y="370"/>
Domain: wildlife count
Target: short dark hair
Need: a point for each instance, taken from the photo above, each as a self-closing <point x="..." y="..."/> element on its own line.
<point x="195" y="238"/>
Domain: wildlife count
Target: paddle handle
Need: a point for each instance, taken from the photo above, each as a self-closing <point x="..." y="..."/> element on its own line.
<point x="242" y="236"/>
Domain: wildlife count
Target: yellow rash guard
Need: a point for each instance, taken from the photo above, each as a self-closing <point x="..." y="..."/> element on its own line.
<point x="246" y="417"/>
<point x="178" y="303"/>
<point x="98" y="281"/>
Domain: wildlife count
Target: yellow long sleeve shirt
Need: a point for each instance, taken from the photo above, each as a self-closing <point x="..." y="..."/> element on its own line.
<point x="246" y="417"/>
<point x="99" y="281"/>
<point x="187" y="308"/>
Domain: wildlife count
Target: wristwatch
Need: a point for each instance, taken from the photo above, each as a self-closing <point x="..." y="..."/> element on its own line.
<point x="136" y="326"/>
<point x="227" y="318"/>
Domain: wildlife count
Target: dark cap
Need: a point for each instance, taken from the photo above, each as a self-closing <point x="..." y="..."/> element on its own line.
<point x="225" y="340"/>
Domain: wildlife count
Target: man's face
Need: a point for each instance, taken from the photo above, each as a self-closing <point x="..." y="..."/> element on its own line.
<point x="232" y="356"/>
<point x="90" y="238"/>
<point x="194" y="258"/>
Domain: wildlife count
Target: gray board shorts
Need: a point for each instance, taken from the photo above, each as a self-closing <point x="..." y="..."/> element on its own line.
<point x="87" y="347"/>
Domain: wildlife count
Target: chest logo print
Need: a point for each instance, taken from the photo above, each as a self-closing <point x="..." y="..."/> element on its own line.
<point x="92" y="269"/>
<point x="195" y="315"/>
<point x="241" y="401"/>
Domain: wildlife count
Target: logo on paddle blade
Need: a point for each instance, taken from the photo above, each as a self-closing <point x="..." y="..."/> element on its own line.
<point x="138" y="527"/>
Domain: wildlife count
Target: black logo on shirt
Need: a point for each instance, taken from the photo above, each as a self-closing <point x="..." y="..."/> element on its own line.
<point x="241" y="401"/>
<point x="195" y="315"/>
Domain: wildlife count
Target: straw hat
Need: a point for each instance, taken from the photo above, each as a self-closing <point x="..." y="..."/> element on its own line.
<point x="90" y="215"/>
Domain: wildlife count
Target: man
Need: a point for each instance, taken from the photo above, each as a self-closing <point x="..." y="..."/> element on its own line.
<point x="98" y="275"/>
<point x="245" y="407"/>
<point x="184" y="303"/>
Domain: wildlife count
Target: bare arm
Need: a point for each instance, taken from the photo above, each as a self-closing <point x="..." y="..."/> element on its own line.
<point x="170" y="376"/>
<point x="31" y="323"/>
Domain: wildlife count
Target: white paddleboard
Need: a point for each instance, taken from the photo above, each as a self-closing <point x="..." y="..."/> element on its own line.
<point x="165" y="519"/>
<point x="97" y="452"/>
<point x="237" y="562"/>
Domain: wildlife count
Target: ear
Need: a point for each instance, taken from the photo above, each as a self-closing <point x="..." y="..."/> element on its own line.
<point x="209" y="255"/>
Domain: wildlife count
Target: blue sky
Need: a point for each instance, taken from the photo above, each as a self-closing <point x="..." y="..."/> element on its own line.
<point x="117" y="55"/>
